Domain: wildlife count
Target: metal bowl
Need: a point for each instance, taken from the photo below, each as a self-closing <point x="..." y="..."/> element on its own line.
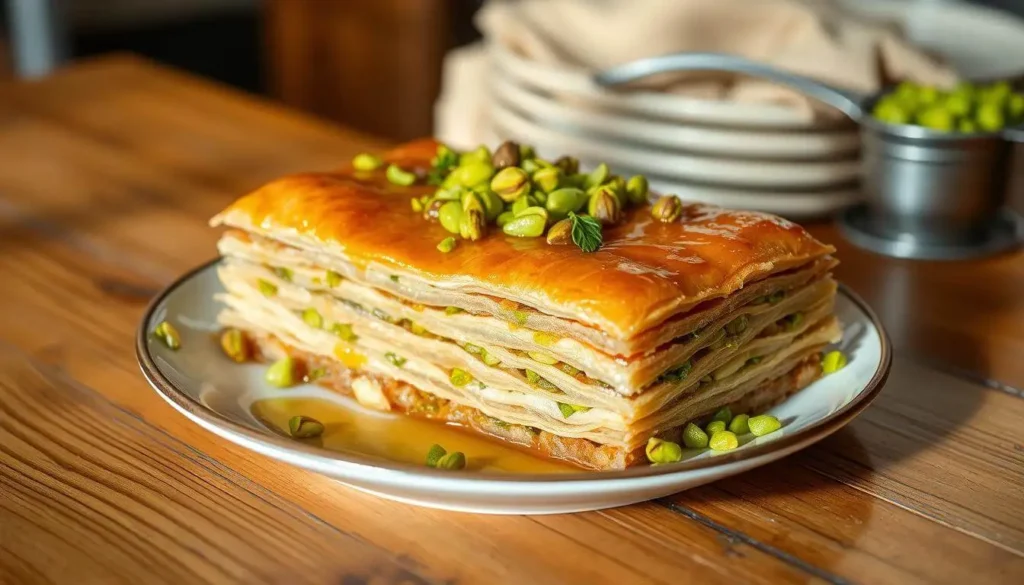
<point x="928" y="188"/>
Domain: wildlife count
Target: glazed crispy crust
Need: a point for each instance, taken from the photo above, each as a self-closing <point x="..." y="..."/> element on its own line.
<point x="646" y="271"/>
<point x="408" y="400"/>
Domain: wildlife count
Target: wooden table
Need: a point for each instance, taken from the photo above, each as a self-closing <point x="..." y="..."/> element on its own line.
<point x="108" y="172"/>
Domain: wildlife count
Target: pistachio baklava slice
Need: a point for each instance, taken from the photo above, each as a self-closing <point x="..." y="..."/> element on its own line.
<point x="525" y="300"/>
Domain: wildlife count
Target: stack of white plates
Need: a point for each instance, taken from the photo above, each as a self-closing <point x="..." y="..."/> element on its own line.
<point x="755" y="156"/>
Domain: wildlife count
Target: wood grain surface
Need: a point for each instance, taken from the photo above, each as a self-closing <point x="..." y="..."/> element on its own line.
<point x="108" y="172"/>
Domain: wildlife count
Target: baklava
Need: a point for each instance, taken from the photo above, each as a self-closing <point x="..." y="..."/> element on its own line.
<point x="559" y="310"/>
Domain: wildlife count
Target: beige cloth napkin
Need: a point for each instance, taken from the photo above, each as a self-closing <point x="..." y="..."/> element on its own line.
<point x="817" y="38"/>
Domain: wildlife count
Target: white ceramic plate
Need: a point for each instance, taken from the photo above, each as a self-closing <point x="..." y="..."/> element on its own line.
<point x="217" y="394"/>
<point x="675" y="165"/>
<point x="692" y="138"/>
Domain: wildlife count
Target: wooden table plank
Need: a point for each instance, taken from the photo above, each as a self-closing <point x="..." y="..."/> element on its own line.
<point x="99" y="210"/>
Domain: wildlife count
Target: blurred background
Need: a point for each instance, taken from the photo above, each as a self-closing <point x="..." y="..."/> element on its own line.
<point x="472" y="71"/>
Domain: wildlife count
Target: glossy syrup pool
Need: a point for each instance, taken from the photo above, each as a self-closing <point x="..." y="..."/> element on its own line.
<point x="351" y="428"/>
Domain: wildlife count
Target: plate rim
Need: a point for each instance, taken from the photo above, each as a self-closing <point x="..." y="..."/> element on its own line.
<point x="403" y="471"/>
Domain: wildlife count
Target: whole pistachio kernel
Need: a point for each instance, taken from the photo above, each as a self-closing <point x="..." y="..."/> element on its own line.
<point x="561" y="201"/>
<point x="313" y="318"/>
<point x="660" y="452"/>
<point x="447" y="245"/>
<point x="459" y="377"/>
<point x="739" y="425"/>
<point x="522" y="203"/>
<point x="235" y="346"/>
<point x="493" y="205"/>
<point x="510" y="183"/>
<point x="435" y="454"/>
<point x="668" y="208"/>
<point x="723" y="441"/>
<point x="636" y="190"/>
<point x="526" y="152"/>
<point x="366" y="162"/>
<point x="763" y="424"/>
<point x="469" y="175"/>
<point x="167" y="334"/>
<point x="525" y="226"/>
<point x="715" y="426"/>
<point x="473" y="225"/>
<point x="548" y="179"/>
<point x="604" y="206"/>
<point x="305" y="427"/>
<point x="833" y="362"/>
<point x="597" y="176"/>
<point x="282" y="373"/>
<point x="560" y="234"/>
<point x="453" y="461"/>
<point x="507" y="155"/>
<point x="400" y="176"/>
<point x="480" y="155"/>
<point x="450" y="216"/>
<point x="694" y="437"/>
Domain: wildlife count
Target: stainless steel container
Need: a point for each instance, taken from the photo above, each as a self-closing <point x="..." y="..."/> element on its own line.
<point x="928" y="194"/>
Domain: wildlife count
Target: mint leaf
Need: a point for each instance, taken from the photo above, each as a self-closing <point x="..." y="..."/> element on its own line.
<point x="586" y="232"/>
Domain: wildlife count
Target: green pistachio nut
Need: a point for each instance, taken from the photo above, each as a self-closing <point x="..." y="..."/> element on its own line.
<point x="480" y="155"/>
<point x="400" y="176"/>
<point x="469" y="175"/>
<point x="715" y="426"/>
<point x="333" y="279"/>
<point x="560" y="234"/>
<point x="235" y="346"/>
<point x="282" y="373"/>
<point x="724" y="414"/>
<point x="763" y="424"/>
<point x="694" y="437"/>
<point x="667" y="208"/>
<point x="548" y="179"/>
<point x="833" y="362"/>
<point x="661" y="452"/>
<point x="313" y="318"/>
<point x="473" y="225"/>
<point x="636" y="190"/>
<point x="450" y="216"/>
<point x="737" y="325"/>
<point x="525" y="226"/>
<point x="522" y="203"/>
<point x="740" y="424"/>
<point x="453" y="461"/>
<point x="305" y="427"/>
<point x="526" y="152"/>
<point x="937" y="118"/>
<point x="562" y="201"/>
<point x="539" y="196"/>
<point x="723" y="441"/>
<point x="493" y="205"/>
<point x="507" y="155"/>
<point x="435" y="454"/>
<point x="167" y="334"/>
<point x="511" y="183"/>
<point x="366" y="162"/>
<point x="604" y="206"/>
<point x="459" y="377"/>
<point x="990" y="116"/>
<point x="505" y="217"/>
<point x="597" y="176"/>
<point x="446" y="245"/>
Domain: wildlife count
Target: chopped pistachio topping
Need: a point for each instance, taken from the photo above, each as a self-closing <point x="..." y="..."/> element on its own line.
<point x="416" y="328"/>
<point x="399" y="176"/>
<point x="677" y="374"/>
<point x="520" y="317"/>
<point x="314" y="374"/>
<point x="284" y="274"/>
<point x="545" y="339"/>
<point x="459" y="377"/>
<point x="395" y="359"/>
<point x="568" y="369"/>
<point x="755" y="360"/>
<point x="235" y="346"/>
<point x="435" y="454"/>
<point x="473" y="349"/>
<point x="452" y="310"/>
<point x="568" y="410"/>
<point x="446" y="245"/>
<point x="282" y="373"/>
<point x="394" y="278"/>
<point x="737" y="325"/>
<point x="167" y="334"/>
<point x="542" y="358"/>
<point x="344" y="331"/>
<point x="366" y="162"/>
<point x="453" y="461"/>
<point x="305" y="427"/>
<point x="776" y="296"/>
<point x="532" y="377"/>
<point x="792" y="322"/>
<point x="489" y="359"/>
<point x="268" y="289"/>
<point x="333" y="279"/>
<point x="381" y="315"/>
<point x="313" y="318"/>
<point x="660" y="452"/>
